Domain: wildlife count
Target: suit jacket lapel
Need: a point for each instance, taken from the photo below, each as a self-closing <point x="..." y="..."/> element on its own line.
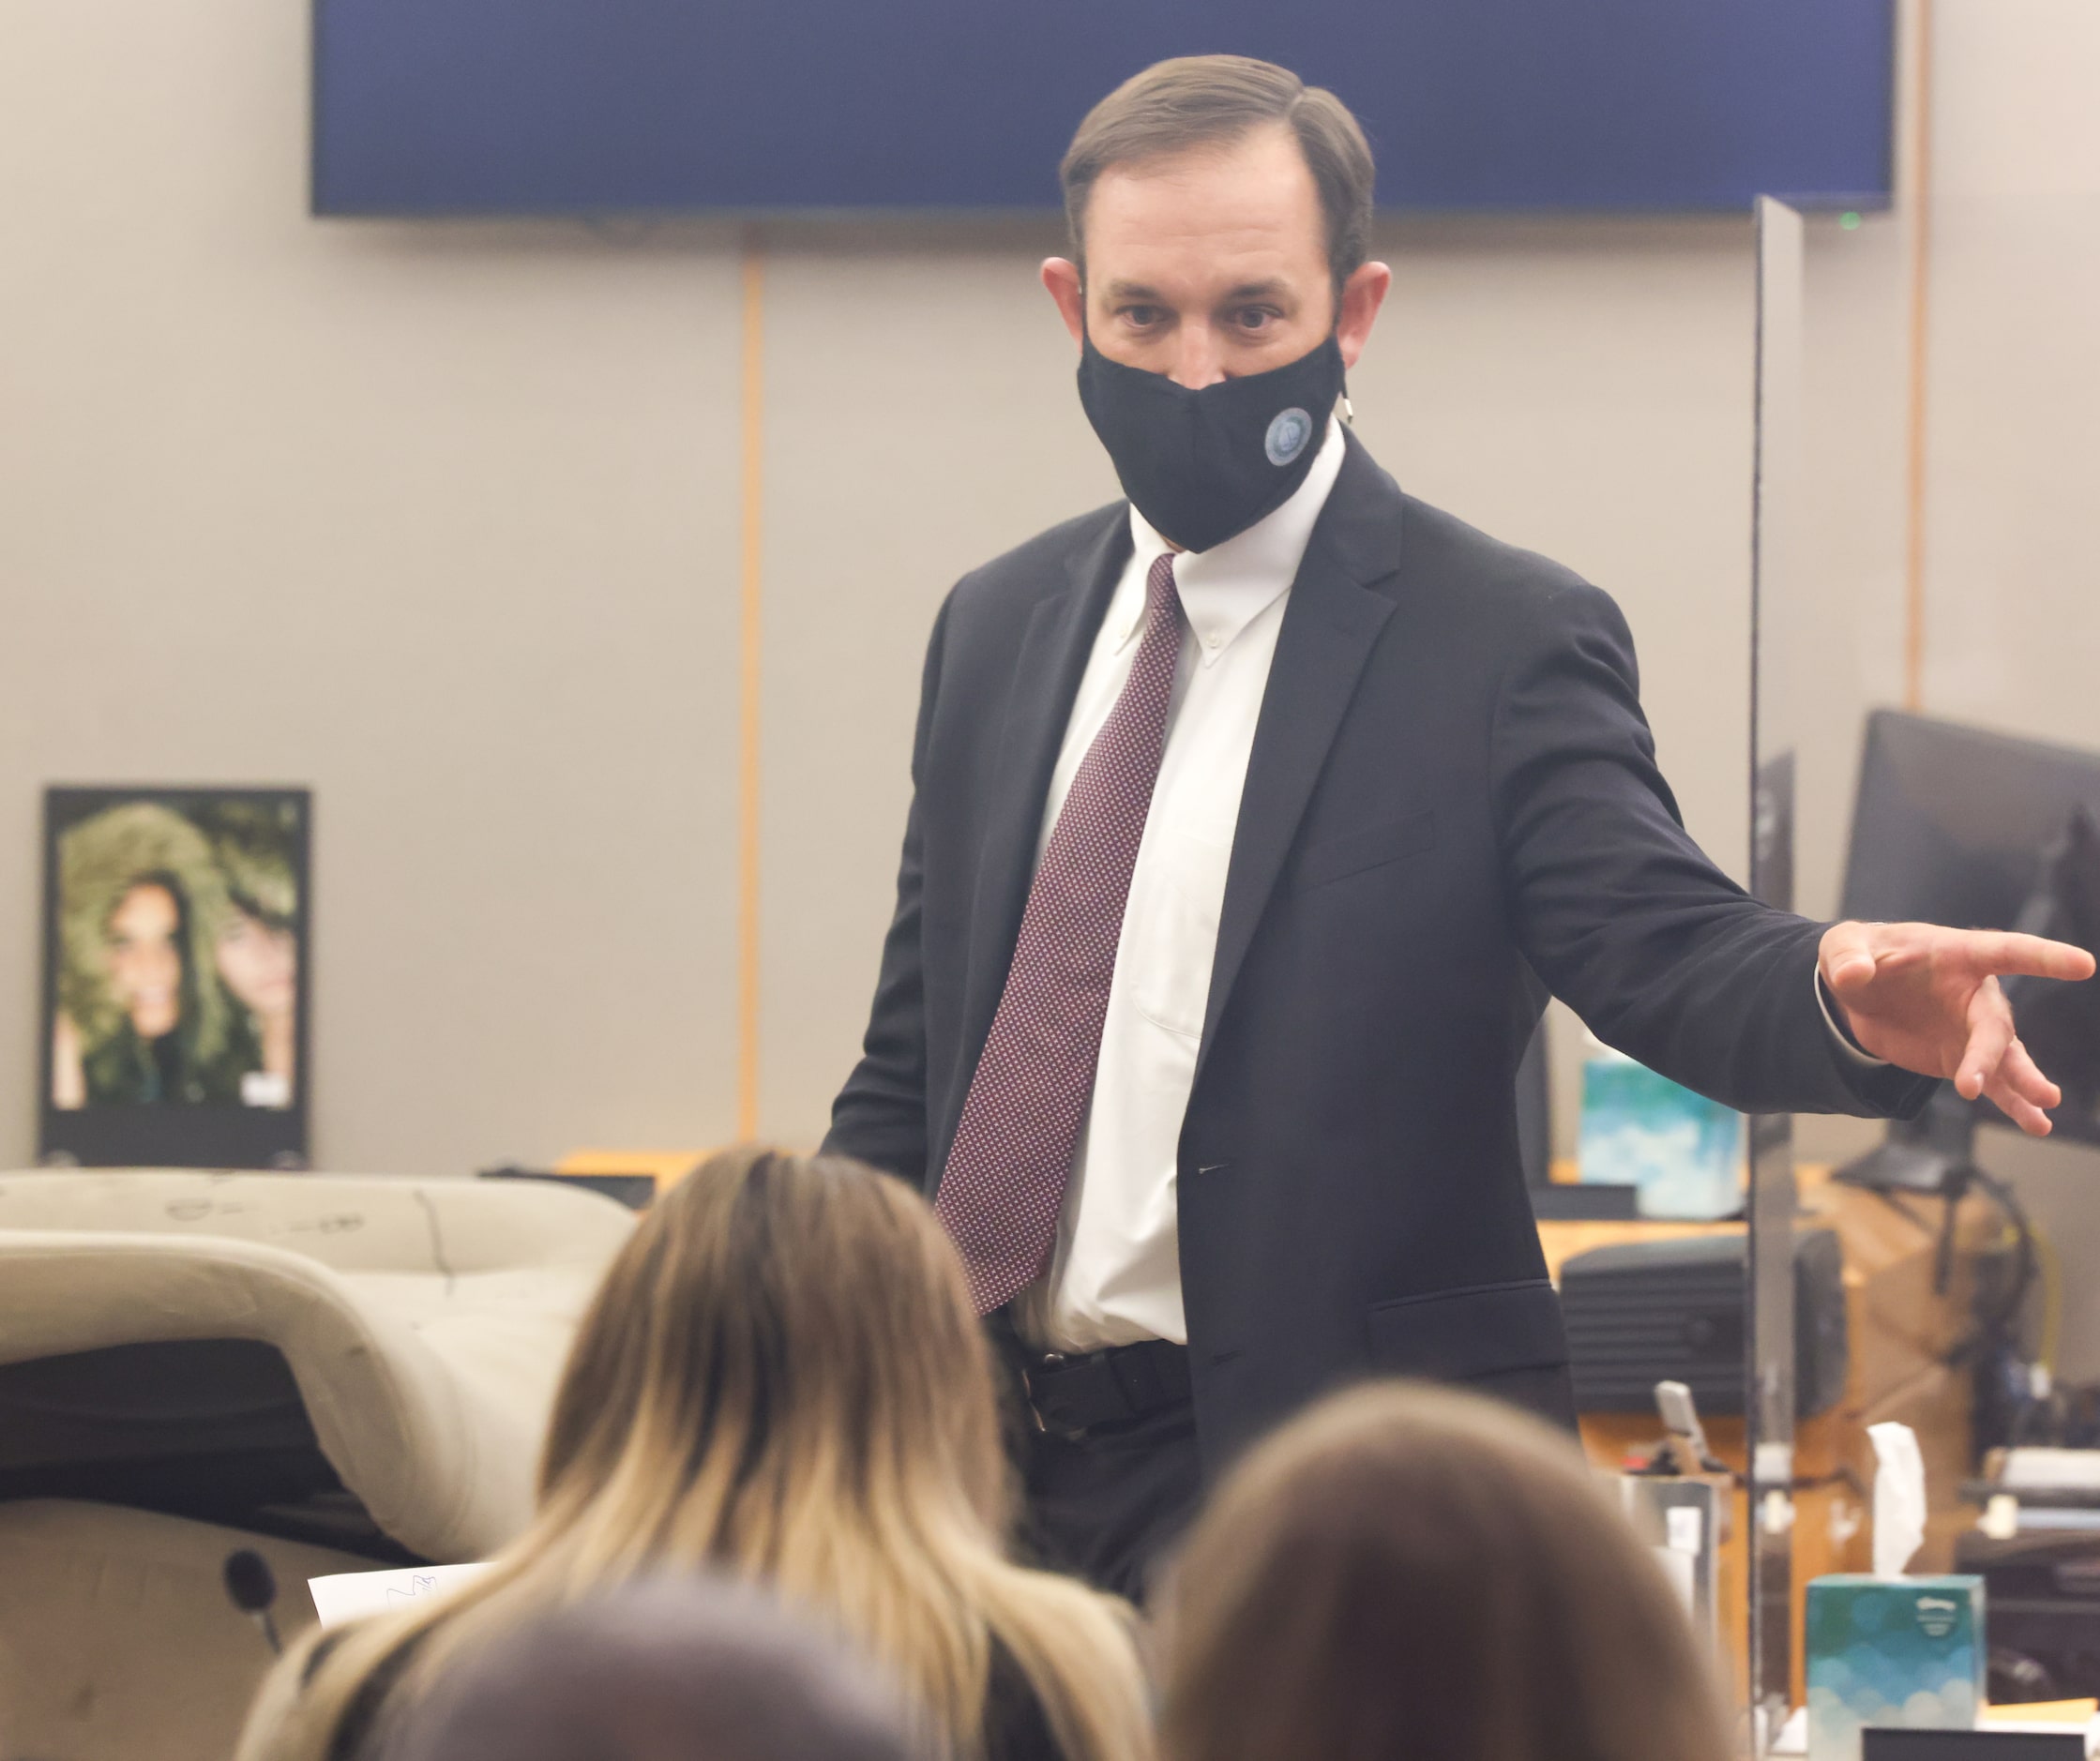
<point x="1330" y="627"/>
<point x="1053" y="660"/>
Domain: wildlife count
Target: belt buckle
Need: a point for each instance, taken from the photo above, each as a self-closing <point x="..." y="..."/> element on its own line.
<point x="1051" y="1361"/>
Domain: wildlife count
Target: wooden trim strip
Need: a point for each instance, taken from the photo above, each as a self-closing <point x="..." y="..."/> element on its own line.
<point x="1915" y="429"/>
<point x="750" y="682"/>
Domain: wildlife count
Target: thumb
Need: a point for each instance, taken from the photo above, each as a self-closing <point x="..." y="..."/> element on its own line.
<point x="1847" y="957"/>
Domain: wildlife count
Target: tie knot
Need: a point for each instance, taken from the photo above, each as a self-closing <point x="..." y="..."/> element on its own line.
<point x="1160" y="595"/>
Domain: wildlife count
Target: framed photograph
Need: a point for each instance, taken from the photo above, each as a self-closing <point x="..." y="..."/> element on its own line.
<point x="176" y="978"/>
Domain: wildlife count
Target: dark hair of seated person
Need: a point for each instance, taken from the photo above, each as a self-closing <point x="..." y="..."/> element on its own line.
<point x="781" y="1379"/>
<point x="676" y="1669"/>
<point x="1413" y="1573"/>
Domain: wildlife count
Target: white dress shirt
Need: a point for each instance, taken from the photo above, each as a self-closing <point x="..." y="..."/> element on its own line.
<point x="1116" y="1274"/>
<point x="1115" y="1277"/>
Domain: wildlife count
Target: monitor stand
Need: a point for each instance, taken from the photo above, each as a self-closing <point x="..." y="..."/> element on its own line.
<point x="1933" y="1156"/>
<point x="1932" y="1153"/>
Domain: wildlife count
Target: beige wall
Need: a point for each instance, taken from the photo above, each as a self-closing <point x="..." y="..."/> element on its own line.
<point x="2012" y="623"/>
<point x="442" y="520"/>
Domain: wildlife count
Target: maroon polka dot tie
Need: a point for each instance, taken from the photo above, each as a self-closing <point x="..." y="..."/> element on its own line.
<point x="1005" y="1175"/>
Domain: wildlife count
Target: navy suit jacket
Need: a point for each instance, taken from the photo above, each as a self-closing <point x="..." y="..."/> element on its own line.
<point x="1452" y="807"/>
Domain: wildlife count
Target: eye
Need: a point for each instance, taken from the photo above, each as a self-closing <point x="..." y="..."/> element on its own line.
<point x="1140" y="317"/>
<point x="1256" y="318"/>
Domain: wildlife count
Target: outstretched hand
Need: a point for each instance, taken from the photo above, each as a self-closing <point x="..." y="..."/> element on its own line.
<point x="1928" y="999"/>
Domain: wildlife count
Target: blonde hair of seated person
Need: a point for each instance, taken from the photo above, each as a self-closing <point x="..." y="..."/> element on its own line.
<point x="781" y="1379"/>
<point x="1412" y="1572"/>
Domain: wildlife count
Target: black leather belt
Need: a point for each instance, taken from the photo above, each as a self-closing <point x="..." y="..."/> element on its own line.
<point x="1070" y="1396"/>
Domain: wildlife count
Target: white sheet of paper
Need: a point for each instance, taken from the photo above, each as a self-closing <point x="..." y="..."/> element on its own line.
<point x="1793" y="1734"/>
<point x="352" y="1595"/>
<point x="1681" y="1568"/>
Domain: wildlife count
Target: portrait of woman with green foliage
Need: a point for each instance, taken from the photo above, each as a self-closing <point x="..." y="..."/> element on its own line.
<point x="176" y="957"/>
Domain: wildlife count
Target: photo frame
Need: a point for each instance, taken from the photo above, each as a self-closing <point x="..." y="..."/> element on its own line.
<point x="178" y="977"/>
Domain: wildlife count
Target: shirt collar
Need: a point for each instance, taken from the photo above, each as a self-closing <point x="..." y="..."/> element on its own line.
<point x="1225" y="588"/>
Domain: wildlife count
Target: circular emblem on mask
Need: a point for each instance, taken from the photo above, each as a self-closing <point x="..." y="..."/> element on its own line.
<point x="1287" y="436"/>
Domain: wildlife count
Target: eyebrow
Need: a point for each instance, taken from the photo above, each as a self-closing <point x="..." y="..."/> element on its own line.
<point x="1274" y="288"/>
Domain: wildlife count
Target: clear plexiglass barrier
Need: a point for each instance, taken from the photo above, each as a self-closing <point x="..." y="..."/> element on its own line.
<point x="1779" y="611"/>
<point x="1925" y="746"/>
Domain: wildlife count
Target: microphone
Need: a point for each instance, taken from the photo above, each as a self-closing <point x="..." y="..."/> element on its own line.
<point x="252" y="1587"/>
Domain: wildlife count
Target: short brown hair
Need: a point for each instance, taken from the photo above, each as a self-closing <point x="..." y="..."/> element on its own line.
<point x="1414" y="1571"/>
<point x="1207" y="101"/>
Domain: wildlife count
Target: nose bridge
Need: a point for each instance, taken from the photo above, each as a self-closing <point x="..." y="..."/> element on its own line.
<point x="1199" y="358"/>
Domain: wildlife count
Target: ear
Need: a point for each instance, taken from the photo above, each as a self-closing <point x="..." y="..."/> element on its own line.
<point x="1361" y="295"/>
<point x="1062" y="278"/>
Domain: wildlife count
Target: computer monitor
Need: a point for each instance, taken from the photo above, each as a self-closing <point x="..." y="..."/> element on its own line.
<point x="1956" y="825"/>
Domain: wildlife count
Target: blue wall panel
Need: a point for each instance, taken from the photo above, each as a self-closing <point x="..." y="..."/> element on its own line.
<point x="608" y="106"/>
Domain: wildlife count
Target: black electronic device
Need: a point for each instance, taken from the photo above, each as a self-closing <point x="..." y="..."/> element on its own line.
<point x="1558" y="1201"/>
<point x="1639" y="1313"/>
<point x="2042" y="1588"/>
<point x="2059" y="1022"/>
<point x="1586" y="1201"/>
<point x="251" y="1588"/>
<point x="638" y="1192"/>
<point x="1882" y="1743"/>
<point x="1958" y="825"/>
<point x="1534" y="1110"/>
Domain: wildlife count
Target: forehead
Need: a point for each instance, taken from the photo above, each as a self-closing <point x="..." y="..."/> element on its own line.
<point x="145" y="901"/>
<point x="1232" y="211"/>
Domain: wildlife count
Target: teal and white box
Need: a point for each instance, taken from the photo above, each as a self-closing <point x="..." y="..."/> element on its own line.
<point x="1681" y="1152"/>
<point x="1905" y="1652"/>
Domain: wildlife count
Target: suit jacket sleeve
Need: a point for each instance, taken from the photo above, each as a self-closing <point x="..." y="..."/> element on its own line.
<point x="1624" y="916"/>
<point x="880" y="1115"/>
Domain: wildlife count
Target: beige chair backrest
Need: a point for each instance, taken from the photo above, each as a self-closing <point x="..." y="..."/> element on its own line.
<point x="425" y="1321"/>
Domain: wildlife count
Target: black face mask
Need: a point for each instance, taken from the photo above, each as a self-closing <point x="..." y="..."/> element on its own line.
<point x="1204" y="466"/>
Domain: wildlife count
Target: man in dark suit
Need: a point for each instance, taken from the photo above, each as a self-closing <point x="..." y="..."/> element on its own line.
<point x="1254" y="819"/>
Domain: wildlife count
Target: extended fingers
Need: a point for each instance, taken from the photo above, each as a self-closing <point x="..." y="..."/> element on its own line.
<point x="2009" y="952"/>
<point x="2017" y="1108"/>
<point x="1996" y="1064"/>
<point x="1990" y="1033"/>
<point x="2019" y="1072"/>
